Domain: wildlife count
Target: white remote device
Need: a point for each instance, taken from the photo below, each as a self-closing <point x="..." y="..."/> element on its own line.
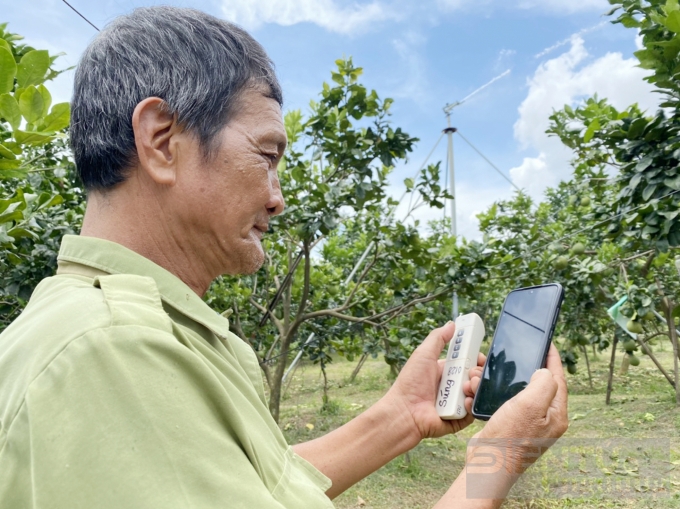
<point x="462" y="355"/>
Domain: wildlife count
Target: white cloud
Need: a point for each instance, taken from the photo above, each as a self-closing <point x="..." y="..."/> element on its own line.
<point x="567" y="79"/>
<point x="564" y="6"/>
<point x="554" y="6"/>
<point x="334" y="16"/>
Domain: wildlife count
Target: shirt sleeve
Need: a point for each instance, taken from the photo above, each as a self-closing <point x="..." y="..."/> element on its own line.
<point x="131" y="418"/>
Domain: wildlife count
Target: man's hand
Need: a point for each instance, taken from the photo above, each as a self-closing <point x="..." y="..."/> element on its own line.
<point x="515" y="437"/>
<point x="414" y="393"/>
<point x="394" y="425"/>
<point x="525" y="426"/>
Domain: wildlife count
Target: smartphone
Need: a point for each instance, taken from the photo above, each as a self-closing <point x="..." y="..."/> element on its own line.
<point x="520" y="345"/>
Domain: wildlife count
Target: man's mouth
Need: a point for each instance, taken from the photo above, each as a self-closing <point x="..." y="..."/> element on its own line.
<point x="261" y="229"/>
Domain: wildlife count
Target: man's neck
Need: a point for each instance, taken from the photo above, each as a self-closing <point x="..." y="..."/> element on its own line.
<point x="128" y="218"/>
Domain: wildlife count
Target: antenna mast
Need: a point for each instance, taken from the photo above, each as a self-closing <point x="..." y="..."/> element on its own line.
<point x="449" y="135"/>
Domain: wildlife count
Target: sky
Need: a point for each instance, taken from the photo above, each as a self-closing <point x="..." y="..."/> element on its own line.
<point x="424" y="54"/>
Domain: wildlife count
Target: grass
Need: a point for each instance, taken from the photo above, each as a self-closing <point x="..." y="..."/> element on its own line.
<point x="642" y="408"/>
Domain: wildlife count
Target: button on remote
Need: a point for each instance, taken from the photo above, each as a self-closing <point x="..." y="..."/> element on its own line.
<point x="460" y="333"/>
<point x="455" y="355"/>
<point x="459" y="341"/>
<point x="456" y="348"/>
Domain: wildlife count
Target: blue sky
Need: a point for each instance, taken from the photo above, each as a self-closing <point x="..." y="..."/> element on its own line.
<point x="424" y="54"/>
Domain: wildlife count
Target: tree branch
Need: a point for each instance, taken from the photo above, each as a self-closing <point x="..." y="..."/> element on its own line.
<point x="236" y="327"/>
<point x="419" y="300"/>
<point x="268" y="312"/>
<point x="280" y="289"/>
<point x="305" y="291"/>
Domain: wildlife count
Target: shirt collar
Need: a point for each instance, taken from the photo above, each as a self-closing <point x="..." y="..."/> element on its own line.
<point x="90" y="256"/>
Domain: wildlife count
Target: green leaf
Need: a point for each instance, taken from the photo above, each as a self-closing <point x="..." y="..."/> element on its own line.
<point x="9" y="164"/>
<point x="6" y="153"/>
<point x="673" y="183"/>
<point x="8" y="70"/>
<point x="17" y="233"/>
<point x="9" y="110"/>
<point x="32" y="137"/>
<point x="673" y="21"/>
<point x="31" y="104"/>
<point x="59" y="117"/>
<point x="14" y="215"/>
<point x="637" y="127"/>
<point x="5" y="44"/>
<point x="33" y="67"/>
<point x="47" y="201"/>
<point x="648" y="192"/>
<point x="409" y="183"/>
<point x="590" y="132"/>
<point x="47" y="99"/>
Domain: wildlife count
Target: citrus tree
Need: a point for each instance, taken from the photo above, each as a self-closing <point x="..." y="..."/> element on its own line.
<point x="38" y="201"/>
<point x="632" y="157"/>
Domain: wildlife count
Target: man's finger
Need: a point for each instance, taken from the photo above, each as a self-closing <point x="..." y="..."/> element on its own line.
<point x="481" y="359"/>
<point x="540" y="392"/>
<point x="554" y="364"/>
<point x="474" y="384"/>
<point x="435" y="342"/>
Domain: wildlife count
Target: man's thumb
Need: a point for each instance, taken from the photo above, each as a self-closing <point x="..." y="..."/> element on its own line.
<point x="541" y="390"/>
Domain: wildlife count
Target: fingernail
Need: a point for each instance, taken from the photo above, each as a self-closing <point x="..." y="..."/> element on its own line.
<point x="450" y="321"/>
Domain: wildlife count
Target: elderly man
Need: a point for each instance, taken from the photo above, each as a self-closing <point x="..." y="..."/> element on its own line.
<point x="119" y="387"/>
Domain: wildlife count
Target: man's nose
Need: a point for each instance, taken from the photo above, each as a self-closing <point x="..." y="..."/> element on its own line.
<point x="276" y="203"/>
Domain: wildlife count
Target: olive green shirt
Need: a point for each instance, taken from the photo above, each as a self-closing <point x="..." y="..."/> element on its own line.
<point x="120" y="388"/>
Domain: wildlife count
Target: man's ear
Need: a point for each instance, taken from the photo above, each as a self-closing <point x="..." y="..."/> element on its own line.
<point x="154" y="128"/>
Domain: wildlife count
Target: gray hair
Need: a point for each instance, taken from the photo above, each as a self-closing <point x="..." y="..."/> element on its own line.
<point x="196" y="63"/>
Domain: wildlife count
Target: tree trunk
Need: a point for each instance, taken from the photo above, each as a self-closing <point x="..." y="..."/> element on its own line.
<point x="625" y="363"/>
<point x="651" y="355"/>
<point x="325" y="387"/>
<point x="358" y="367"/>
<point x="590" y="375"/>
<point x="674" y="340"/>
<point x="277" y="378"/>
<point x="611" y="369"/>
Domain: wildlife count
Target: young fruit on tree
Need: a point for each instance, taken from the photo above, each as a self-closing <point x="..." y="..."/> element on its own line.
<point x="578" y="248"/>
<point x="561" y="263"/>
<point x="571" y="368"/>
<point x="649" y="316"/>
<point x="582" y="340"/>
<point x="634" y="361"/>
<point x="585" y="201"/>
<point x="634" y="326"/>
<point x="630" y="345"/>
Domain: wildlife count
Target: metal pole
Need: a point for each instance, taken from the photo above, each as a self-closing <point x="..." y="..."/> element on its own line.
<point x="297" y="359"/>
<point x="454" y="232"/>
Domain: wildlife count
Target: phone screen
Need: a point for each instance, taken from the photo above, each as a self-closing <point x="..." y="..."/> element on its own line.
<point x="519" y="345"/>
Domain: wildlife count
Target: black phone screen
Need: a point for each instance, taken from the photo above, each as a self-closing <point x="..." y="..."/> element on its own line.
<point x="519" y="345"/>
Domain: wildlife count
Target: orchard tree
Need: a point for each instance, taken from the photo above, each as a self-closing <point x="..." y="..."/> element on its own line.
<point x="636" y="156"/>
<point x="38" y="202"/>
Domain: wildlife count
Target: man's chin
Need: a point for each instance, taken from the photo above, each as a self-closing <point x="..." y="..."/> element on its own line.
<point x="248" y="264"/>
